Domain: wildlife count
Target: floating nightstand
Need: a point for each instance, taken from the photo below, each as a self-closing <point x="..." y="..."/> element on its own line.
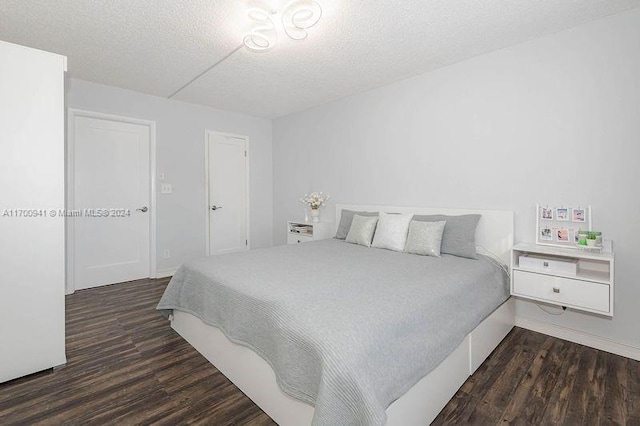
<point x="563" y="276"/>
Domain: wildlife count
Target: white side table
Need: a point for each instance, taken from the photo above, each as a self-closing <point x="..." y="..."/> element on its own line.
<point x="302" y="232"/>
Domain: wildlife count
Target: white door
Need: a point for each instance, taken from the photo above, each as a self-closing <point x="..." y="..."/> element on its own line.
<point x="228" y="210"/>
<point x="111" y="200"/>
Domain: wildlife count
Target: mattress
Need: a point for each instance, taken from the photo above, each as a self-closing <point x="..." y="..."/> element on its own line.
<point x="346" y="328"/>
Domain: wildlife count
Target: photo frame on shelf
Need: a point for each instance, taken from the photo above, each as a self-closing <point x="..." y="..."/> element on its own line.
<point x="545" y="234"/>
<point x="546" y="213"/>
<point x="562" y="235"/>
<point x="559" y="226"/>
<point x="578" y="215"/>
<point x="562" y="214"/>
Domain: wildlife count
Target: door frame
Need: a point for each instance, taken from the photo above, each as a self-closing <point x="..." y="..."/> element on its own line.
<point x="207" y="134"/>
<point x="72" y="114"/>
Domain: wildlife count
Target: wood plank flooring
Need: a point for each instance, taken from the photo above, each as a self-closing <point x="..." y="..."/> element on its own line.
<point x="127" y="366"/>
<point x="533" y="379"/>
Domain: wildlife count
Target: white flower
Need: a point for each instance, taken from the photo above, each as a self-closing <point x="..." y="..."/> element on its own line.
<point x="315" y="200"/>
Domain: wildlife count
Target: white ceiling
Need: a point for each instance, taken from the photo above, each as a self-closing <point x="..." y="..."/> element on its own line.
<point x="156" y="46"/>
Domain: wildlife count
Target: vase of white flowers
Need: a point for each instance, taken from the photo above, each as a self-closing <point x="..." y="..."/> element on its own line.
<point x="315" y="215"/>
<point x="315" y="201"/>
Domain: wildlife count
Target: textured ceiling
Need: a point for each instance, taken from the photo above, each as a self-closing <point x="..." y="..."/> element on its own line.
<point x="156" y="46"/>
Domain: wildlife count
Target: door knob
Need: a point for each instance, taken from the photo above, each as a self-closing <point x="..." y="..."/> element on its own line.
<point x="215" y="207"/>
<point x="143" y="209"/>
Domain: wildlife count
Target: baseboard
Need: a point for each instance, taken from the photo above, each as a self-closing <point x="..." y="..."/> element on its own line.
<point x="166" y="273"/>
<point x="575" y="336"/>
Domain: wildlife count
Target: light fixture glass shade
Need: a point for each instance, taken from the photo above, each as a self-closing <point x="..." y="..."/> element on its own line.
<point x="263" y="35"/>
<point x="297" y="17"/>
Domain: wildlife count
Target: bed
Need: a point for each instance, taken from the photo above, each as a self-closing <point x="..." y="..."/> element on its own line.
<point x="333" y="333"/>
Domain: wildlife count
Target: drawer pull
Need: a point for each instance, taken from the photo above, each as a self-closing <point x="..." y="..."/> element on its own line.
<point x="556" y="290"/>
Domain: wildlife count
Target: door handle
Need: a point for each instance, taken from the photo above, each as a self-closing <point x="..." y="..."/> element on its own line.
<point x="215" y="207"/>
<point x="143" y="209"/>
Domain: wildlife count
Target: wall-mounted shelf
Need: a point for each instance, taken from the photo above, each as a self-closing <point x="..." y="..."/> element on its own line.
<point x="589" y="289"/>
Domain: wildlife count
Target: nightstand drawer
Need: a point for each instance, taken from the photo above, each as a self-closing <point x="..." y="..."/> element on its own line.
<point x="296" y="239"/>
<point x="565" y="291"/>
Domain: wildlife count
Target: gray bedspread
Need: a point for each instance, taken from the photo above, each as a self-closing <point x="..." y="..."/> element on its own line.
<point x="346" y="328"/>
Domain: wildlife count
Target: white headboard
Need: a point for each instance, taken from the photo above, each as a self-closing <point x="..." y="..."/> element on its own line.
<point x="494" y="232"/>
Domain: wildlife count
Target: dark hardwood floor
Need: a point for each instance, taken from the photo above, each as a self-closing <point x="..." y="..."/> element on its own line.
<point x="534" y="379"/>
<point x="127" y="366"/>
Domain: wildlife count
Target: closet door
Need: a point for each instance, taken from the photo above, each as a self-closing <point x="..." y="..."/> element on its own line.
<point x="31" y="201"/>
<point x="227" y="172"/>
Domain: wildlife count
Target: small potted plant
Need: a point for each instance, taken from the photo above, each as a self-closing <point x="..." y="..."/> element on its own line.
<point x="582" y="238"/>
<point x="591" y="239"/>
<point x="315" y="200"/>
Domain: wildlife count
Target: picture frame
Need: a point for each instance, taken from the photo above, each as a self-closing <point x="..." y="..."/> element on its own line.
<point x="559" y="225"/>
<point x="562" y="214"/>
<point x="546" y="234"/>
<point x="546" y="213"/>
<point x="578" y="215"/>
<point x="562" y="235"/>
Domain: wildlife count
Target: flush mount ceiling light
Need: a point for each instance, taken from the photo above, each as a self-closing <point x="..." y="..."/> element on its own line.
<point x="296" y="18"/>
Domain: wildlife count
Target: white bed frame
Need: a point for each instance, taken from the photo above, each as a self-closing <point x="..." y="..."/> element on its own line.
<point x="422" y="403"/>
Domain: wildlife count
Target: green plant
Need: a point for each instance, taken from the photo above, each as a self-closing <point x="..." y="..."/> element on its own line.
<point x="591" y="236"/>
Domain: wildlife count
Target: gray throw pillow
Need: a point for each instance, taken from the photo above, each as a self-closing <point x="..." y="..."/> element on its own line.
<point x="362" y="230"/>
<point x="459" y="237"/>
<point x="425" y="238"/>
<point x="346" y="217"/>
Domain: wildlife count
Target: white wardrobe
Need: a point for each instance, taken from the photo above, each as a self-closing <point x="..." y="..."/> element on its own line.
<point x="32" y="192"/>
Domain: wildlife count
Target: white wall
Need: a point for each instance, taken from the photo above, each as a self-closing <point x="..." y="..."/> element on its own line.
<point x="555" y="120"/>
<point x="180" y="135"/>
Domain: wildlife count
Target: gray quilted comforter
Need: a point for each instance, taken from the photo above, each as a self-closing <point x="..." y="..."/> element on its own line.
<point x="346" y="328"/>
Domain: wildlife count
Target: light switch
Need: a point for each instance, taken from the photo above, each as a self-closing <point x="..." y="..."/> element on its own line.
<point x="166" y="188"/>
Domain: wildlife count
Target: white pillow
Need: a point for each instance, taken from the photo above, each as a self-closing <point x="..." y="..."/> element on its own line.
<point x="361" y="230"/>
<point x="392" y="231"/>
<point x="425" y="238"/>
